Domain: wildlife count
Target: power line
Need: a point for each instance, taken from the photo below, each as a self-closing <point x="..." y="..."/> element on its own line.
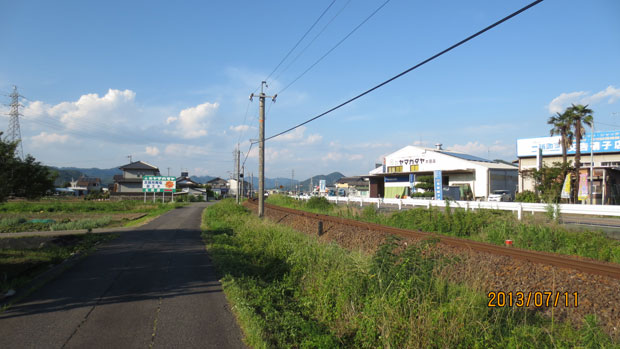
<point x="411" y="69"/>
<point x="300" y="40"/>
<point x="312" y="41"/>
<point x="333" y="48"/>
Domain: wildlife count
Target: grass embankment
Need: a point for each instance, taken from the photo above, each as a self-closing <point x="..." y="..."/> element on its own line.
<point x="19" y="265"/>
<point x="72" y="215"/>
<point x="493" y="226"/>
<point x="289" y="290"/>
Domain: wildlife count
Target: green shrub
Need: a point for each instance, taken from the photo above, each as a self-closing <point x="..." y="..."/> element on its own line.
<point x="319" y="203"/>
<point x="527" y="196"/>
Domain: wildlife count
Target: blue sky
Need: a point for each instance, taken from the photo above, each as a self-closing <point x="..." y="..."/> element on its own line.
<point x="168" y="83"/>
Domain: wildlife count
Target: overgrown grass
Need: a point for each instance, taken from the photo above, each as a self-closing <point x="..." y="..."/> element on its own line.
<point x="491" y="226"/>
<point x="78" y="206"/>
<point x="20" y="265"/>
<point x="289" y="290"/>
<point x="97" y="212"/>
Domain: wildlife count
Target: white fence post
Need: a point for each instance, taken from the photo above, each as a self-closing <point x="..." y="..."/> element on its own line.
<point x="520" y="211"/>
<point x="400" y="204"/>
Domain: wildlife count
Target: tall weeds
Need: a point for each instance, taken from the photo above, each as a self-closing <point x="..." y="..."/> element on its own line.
<point x="290" y="290"/>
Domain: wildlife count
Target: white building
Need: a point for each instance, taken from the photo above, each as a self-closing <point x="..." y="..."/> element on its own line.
<point x="460" y="173"/>
<point x="244" y="187"/>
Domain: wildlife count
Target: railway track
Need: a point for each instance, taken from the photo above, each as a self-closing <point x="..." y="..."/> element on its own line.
<point x="585" y="266"/>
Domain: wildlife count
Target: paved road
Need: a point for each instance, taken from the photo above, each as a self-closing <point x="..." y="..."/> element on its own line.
<point x="155" y="286"/>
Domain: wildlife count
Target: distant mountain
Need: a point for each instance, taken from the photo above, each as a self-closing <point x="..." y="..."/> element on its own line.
<point x="65" y="176"/>
<point x="66" y="173"/>
<point x="330" y="179"/>
<point x="201" y="179"/>
<point x="273" y="183"/>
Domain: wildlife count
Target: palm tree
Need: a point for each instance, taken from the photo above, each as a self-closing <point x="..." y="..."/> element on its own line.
<point x="561" y="123"/>
<point x="580" y="116"/>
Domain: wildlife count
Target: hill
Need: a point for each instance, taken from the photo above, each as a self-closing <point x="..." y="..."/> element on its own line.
<point x="330" y="179"/>
<point x="65" y="174"/>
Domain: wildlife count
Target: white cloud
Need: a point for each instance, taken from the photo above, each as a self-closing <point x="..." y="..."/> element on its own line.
<point x="239" y="128"/>
<point x="45" y="138"/>
<point x="559" y="103"/>
<point x="295" y="135"/>
<point x="611" y="92"/>
<point x="186" y="150"/>
<point x="483" y="150"/>
<point x="193" y="122"/>
<point x="90" y="115"/>
<point x="298" y="135"/>
<point x="312" y="139"/>
<point x="153" y="151"/>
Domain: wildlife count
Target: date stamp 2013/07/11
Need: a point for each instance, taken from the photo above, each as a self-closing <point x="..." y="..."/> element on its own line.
<point x="538" y="299"/>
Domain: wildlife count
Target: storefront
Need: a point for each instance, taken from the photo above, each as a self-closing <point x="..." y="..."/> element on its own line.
<point x="458" y="176"/>
<point x="599" y="154"/>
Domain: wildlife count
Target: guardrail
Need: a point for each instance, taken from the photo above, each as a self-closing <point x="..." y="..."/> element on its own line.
<point x="518" y="207"/>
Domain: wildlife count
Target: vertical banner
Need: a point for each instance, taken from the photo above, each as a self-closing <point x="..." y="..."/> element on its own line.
<point x="566" y="188"/>
<point x="539" y="158"/>
<point x="322" y="185"/>
<point x="438" y="185"/>
<point x="411" y="183"/>
<point x="583" y="185"/>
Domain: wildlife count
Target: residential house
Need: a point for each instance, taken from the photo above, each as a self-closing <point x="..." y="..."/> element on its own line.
<point x="187" y="185"/>
<point x="90" y="183"/>
<point x="131" y="179"/>
<point x="219" y="186"/>
<point x="354" y="186"/>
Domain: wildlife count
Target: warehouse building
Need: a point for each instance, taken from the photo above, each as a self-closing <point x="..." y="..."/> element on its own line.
<point x="456" y="175"/>
<point x="601" y="151"/>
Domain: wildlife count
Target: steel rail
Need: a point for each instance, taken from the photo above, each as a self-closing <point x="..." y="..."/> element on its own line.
<point x="586" y="266"/>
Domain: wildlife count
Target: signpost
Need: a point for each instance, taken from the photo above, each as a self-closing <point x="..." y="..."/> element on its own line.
<point x="438" y="185"/>
<point x="159" y="184"/>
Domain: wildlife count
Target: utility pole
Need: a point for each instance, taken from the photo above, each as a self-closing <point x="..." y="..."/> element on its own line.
<point x="15" y="134"/>
<point x="292" y="180"/>
<point x="591" y="192"/>
<point x="129" y="157"/>
<point x="168" y="171"/>
<point x="238" y="168"/>
<point x="252" y="185"/>
<point x="261" y="147"/>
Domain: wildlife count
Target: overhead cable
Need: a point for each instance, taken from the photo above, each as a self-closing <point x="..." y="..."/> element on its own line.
<point x="312" y="41"/>
<point x="300" y="40"/>
<point x="410" y="69"/>
<point x="333" y="48"/>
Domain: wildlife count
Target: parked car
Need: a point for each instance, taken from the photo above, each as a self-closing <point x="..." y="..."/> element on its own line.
<point x="500" y="195"/>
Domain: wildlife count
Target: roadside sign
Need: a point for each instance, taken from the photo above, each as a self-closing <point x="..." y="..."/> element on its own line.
<point x="438" y="185"/>
<point x="159" y="184"/>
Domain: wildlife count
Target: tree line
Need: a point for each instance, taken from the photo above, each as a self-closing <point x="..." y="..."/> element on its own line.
<point x="25" y="178"/>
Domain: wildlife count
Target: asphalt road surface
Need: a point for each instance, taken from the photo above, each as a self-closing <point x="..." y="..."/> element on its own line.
<point x="153" y="287"/>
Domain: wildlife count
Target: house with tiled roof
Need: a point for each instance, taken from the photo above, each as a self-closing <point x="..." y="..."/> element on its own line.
<point x="131" y="179"/>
